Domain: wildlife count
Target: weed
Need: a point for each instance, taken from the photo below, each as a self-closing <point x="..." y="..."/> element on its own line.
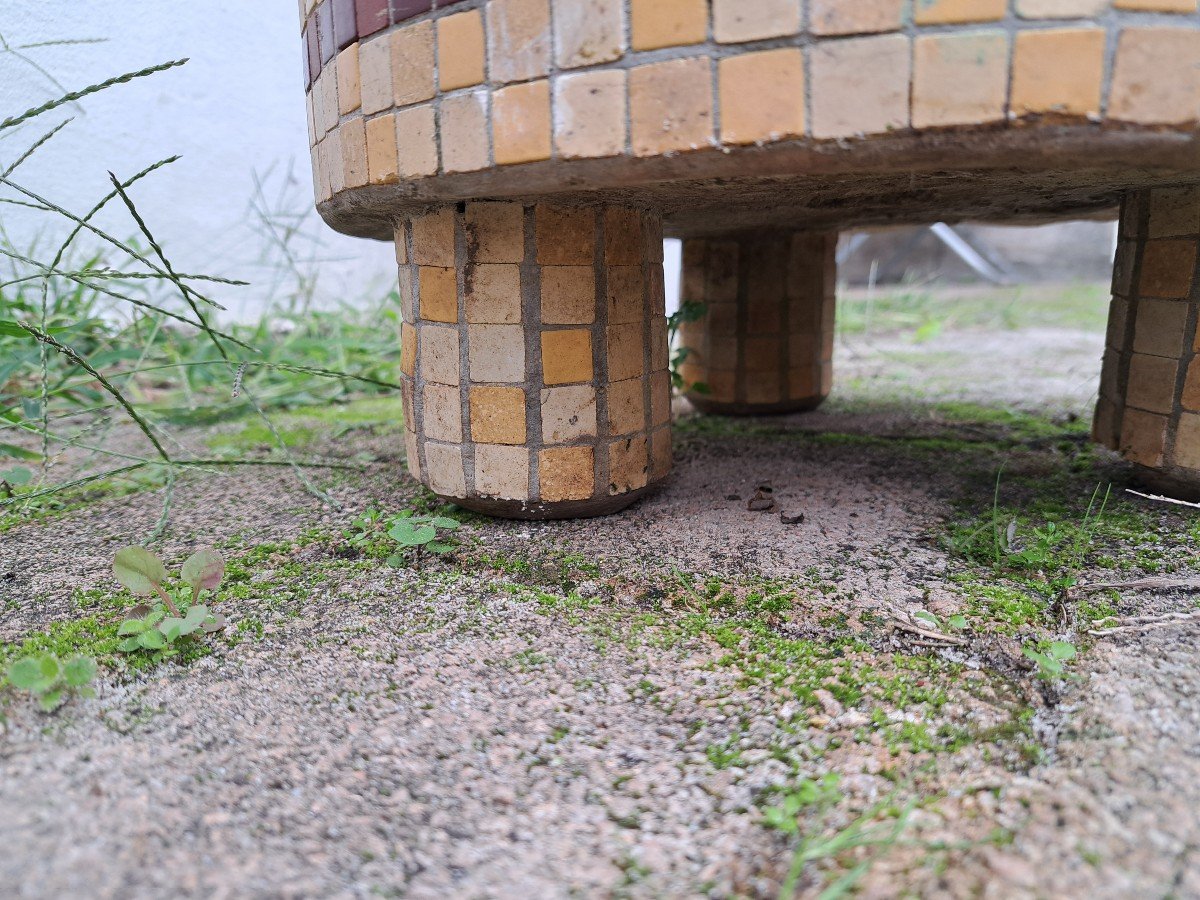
<point x="1051" y="657"/>
<point x="50" y="680"/>
<point x="165" y="628"/>
<point x="421" y="532"/>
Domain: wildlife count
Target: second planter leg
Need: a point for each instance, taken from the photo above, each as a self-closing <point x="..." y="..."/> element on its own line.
<point x="764" y="343"/>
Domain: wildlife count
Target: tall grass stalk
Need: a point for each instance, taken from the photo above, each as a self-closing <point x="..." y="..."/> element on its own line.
<point x="85" y="344"/>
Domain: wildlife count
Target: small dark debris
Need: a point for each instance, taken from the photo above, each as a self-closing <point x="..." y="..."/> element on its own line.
<point x="761" y="502"/>
<point x="733" y="496"/>
<point x="790" y="519"/>
<point x="766" y="488"/>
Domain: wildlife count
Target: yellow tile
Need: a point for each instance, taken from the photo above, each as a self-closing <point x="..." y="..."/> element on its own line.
<point x="521" y="123"/>
<point x="460" y="50"/>
<point x="941" y="12"/>
<point x="498" y="415"/>
<point x="1059" y="70"/>
<point x="762" y="96"/>
<point x="439" y="294"/>
<point x="381" y="150"/>
<point x="567" y="473"/>
<point x="566" y="356"/>
<point x="667" y="23"/>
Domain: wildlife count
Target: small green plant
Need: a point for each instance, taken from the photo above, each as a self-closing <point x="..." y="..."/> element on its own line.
<point x="956" y="622"/>
<point x="178" y="619"/>
<point x="1051" y="660"/>
<point x="820" y="794"/>
<point x="51" y="680"/>
<point x="416" y="532"/>
<point x="363" y="528"/>
<point x="689" y="311"/>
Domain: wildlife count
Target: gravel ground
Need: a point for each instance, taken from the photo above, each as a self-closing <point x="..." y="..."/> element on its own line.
<point x="537" y="717"/>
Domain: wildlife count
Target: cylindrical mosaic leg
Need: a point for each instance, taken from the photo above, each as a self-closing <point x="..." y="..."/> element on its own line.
<point x="764" y="342"/>
<point x="534" y="356"/>
<point x="1149" y="406"/>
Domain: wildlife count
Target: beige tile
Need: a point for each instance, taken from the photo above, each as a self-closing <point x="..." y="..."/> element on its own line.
<point x="1143" y="437"/>
<point x="858" y="17"/>
<point x="497" y="353"/>
<point x="411" y="456"/>
<point x="375" y="74"/>
<point x="433" y="238"/>
<point x="568" y="413"/>
<point x="408" y="349"/>
<point x="493" y="294"/>
<point x="463" y="127"/>
<point x="497" y="415"/>
<point x="959" y="78"/>
<point x="628" y="465"/>
<point x="627" y="406"/>
<point x="566" y="235"/>
<point x="568" y="295"/>
<point x="416" y="142"/>
<point x="860" y="86"/>
<point x="625" y="351"/>
<point x="1190" y="398"/>
<point x="587" y="33"/>
<point x="441" y="418"/>
<point x="566" y="356"/>
<point x="670" y="106"/>
<point x="502" y="472"/>
<point x="660" y="398"/>
<point x="1151" y="384"/>
<point x="1167" y="6"/>
<point x="589" y="114"/>
<point x="625" y="289"/>
<point x="1159" y="327"/>
<point x="439" y="354"/>
<point x="521" y="123"/>
<point x="444" y="470"/>
<point x="1167" y="268"/>
<point x="518" y="39"/>
<point x="660" y="453"/>
<point x="1174" y="211"/>
<point x="1156" y="78"/>
<point x="623" y="240"/>
<point x="495" y="232"/>
<point x="1187" y="442"/>
<point x="460" y="50"/>
<point x="1060" y="9"/>
<point x="412" y="63"/>
<point x="567" y="473"/>
<point x="762" y="96"/>
<point x="354" y="153"/>
<point x="738" y="20"/>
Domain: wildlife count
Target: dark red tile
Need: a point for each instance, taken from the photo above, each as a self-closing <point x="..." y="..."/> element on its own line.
<point x="345" y="28"/>
<point x="406" y="9"/>
<point x="312" y="56"/>
<point x="325" y="32"/>
<point x="371" y="16"/>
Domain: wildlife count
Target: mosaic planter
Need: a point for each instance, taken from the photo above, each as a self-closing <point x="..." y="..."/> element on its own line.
<point x="526" y="155"/>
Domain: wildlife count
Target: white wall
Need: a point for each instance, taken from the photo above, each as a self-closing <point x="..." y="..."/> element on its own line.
<point x="237" y="107"/>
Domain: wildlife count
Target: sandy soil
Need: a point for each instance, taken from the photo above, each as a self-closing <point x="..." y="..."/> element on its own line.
<point x="476" y="728"/>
